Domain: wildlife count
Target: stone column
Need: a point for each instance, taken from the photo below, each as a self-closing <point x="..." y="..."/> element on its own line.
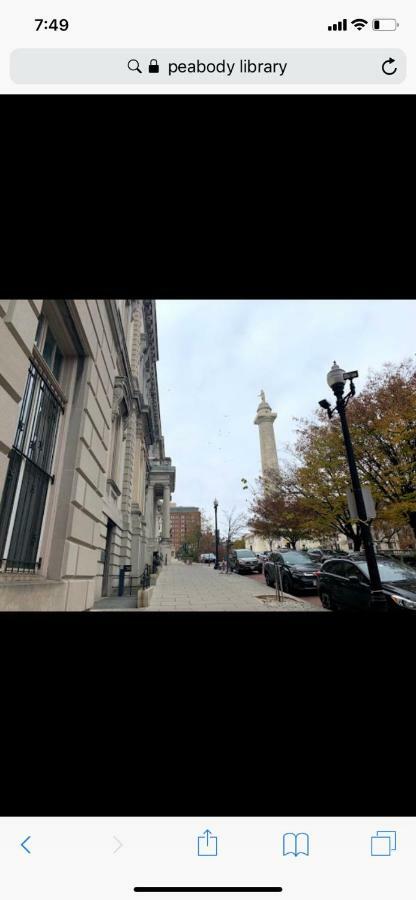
<point x="127" y="489"/>
<point x="138" y="504"/>
<point x="166" y="513"/>
<point x="136" y="540"/>
<point x="149" y="522"/>
<point x="165" y="542"/>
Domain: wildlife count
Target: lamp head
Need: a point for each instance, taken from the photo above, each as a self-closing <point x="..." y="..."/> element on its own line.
<point x="335" y="376"/>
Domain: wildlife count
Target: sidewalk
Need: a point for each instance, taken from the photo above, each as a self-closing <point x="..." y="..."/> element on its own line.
<point x="200" y="587"/>
<point x="114" y="602"/>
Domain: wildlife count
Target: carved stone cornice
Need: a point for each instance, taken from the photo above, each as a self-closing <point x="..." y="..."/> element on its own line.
<point x="149" y="315"/>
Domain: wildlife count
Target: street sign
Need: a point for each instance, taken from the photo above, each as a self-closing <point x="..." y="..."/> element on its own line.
<point x="368" y="503"/>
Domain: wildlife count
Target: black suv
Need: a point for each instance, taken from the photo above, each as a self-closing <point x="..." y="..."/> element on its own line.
<point x="244" y="561"/>
<point x="344" y="583"/>
<point x="298" y="571"/>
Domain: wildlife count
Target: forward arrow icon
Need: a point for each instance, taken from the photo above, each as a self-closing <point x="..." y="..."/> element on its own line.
<point x="119" y="844"/>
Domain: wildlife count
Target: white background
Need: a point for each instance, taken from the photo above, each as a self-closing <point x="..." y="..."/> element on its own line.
<point x="74" y="858"/>
<point x="205" y="24"/>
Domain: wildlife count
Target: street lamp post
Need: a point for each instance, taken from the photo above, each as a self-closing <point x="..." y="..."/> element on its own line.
<point x="216" y="535"/>
<point x="336" y="379"/>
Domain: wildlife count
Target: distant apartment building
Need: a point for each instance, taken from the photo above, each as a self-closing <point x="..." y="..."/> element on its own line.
<point x="185" y="522"/>
<point x="85" y="485"/>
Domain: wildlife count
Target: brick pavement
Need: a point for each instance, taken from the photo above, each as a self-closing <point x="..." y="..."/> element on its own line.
<point x="202" y="588"/>
<point x="314" y="599"/>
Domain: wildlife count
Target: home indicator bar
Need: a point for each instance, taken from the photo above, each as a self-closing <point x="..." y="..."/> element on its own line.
<point x="209" y="890"/>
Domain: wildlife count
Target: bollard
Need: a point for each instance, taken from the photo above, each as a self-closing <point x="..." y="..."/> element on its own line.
<point x="280" y="584"/>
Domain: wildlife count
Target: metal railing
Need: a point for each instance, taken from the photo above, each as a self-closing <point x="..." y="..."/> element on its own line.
<point x="125" y="584"/>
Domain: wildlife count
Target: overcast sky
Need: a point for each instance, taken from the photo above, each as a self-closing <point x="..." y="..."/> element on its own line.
<point x="217" y="355"/>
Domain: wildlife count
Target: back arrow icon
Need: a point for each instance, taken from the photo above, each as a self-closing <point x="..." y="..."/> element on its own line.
<point x="24" y="843"/>
<point x="119" y="844"/>
<point x="387" y="62"/>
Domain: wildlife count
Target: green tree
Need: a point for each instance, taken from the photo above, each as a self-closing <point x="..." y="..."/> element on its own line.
<point x="320" y="479"/>
<point x="276" y="513"/>
<point x="234" y="524"/>
<point x="383" y="430"/>
<point x="239" y="544"/>
<point x="309" y="499"/>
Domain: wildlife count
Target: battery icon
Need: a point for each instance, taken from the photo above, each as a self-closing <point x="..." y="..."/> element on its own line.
<point x="385" y="24"/>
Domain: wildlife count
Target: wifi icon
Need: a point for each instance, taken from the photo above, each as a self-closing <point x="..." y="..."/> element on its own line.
<point x="359" y="23"/>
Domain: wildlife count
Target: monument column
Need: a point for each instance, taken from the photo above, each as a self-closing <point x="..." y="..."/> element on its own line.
<point x="265" y="420"/>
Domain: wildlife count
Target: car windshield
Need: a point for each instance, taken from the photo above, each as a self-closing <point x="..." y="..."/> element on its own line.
<point x="390" y="570"/>
<point x="295" y="558"/>
<point x="245" y="553"/>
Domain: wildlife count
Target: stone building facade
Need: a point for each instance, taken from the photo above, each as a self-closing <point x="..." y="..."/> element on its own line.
<point x="84" y="479"/>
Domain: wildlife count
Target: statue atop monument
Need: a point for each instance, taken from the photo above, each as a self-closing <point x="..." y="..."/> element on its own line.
<point x="263" y="396"/>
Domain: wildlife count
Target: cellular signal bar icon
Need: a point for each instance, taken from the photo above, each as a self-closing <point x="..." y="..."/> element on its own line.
<point x="338" y="26"/>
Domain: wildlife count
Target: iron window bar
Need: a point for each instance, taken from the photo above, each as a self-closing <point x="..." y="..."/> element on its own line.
<point x="48" y="377"/>
<point x="30" y="472"/>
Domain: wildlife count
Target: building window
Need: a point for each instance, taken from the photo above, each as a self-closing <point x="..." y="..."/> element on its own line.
<point x="48" y="347"/>
<point x="29" y="475"/>
<point x="40" y="328"/>
<point x="116" y="449"/>
<point x="118" y="433"/>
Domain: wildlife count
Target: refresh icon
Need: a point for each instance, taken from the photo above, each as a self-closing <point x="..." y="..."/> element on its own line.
<point x="389" y="62"/>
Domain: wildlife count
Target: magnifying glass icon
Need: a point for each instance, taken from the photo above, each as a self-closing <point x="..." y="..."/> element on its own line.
<point x="134" y="66"/>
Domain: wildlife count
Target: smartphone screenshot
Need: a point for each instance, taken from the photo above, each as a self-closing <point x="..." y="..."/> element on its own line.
<point x="211" y="46"/>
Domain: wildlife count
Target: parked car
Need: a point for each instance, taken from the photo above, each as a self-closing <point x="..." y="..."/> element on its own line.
<point x="321" y="553"/>
<point x="298" y="571"/>
<point x="244" y="561"/>
<point x="263" y="556"/>
<point x="344" y="583"/>
<point x="207" y="557"/>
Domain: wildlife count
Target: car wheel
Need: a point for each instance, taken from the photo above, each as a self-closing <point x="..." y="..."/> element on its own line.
<point x="327" y="601"/>
<point x="287" y="585"/>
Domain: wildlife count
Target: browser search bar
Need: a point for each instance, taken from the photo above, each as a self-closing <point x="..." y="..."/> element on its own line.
<point x="246" y="66"/>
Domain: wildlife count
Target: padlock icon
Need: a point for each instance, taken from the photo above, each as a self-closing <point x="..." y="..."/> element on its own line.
<point x="153" y="66"/>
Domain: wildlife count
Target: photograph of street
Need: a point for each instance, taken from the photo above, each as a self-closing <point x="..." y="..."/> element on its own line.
<point x="168" y="455"/>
